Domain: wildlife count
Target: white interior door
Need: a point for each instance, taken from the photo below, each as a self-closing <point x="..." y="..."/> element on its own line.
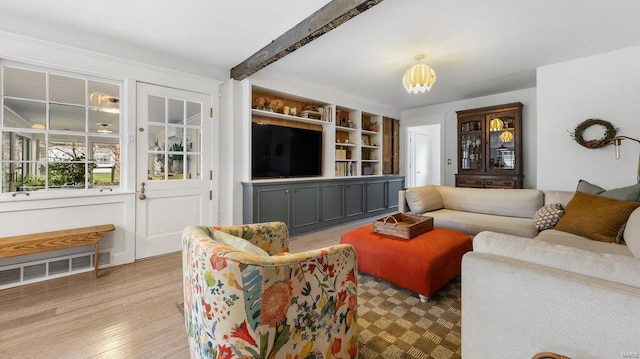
<point x="174" y="181"/>
<point x="422" y="165"/>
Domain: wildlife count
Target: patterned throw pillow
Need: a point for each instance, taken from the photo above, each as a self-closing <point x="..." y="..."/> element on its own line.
<point x="547" y="216"/>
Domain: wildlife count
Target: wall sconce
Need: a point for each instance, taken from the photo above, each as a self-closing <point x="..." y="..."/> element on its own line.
<point x="617" y="142"/>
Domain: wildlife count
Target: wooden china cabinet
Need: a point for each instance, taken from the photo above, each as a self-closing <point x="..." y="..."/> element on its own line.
<point x="490" y="147"/>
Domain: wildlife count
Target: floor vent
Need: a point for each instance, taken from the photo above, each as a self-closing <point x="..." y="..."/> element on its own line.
<point x="37" y="271"/>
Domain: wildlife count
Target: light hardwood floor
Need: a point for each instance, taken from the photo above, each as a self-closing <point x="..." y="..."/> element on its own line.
<point x="128" y="312"/>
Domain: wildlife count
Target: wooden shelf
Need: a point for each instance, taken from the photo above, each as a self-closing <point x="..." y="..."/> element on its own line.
<point x="282" y="116"/>
<point x="347" y="129"/>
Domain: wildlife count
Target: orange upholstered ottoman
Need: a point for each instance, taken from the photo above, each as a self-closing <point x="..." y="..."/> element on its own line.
<point x="422" y="265"/>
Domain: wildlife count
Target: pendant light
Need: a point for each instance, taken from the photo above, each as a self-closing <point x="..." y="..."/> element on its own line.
<point x="419" y="78"/>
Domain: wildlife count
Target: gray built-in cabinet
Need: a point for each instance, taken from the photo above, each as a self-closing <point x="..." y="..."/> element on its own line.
<point x="310" y="205"/>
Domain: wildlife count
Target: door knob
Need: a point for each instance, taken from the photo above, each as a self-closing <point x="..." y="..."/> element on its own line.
<point x="142" y="196"/>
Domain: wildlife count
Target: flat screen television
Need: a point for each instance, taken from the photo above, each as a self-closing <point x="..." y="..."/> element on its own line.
<point x="284" y="152"/>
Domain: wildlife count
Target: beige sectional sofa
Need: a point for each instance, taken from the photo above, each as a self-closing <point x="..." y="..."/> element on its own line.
<point x="473" y="210"/>
<point x="524" y="291"/>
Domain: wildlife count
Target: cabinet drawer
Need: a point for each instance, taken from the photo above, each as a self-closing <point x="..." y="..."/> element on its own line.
<point x="470" y="182"/>
<point x="500" y="183"/>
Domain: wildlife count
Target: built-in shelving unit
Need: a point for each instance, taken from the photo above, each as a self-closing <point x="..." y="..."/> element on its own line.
<point x="352" y="139"/>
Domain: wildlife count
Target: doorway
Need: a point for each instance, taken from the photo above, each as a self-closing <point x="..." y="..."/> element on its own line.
<point x="424" y="160"/>
<point x="174" y="177"/>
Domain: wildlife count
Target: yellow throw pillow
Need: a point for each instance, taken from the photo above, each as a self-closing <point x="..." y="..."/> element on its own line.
<point x="594" y="217"/>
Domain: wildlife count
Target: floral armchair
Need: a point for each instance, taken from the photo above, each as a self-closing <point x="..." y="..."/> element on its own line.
<point x="243" y="305"/>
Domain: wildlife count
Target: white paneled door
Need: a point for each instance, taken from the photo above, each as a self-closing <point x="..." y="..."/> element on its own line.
<point x="174" y="179"/>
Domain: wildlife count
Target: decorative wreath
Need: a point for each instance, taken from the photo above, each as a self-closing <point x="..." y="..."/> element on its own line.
<point x="609" y="134"/>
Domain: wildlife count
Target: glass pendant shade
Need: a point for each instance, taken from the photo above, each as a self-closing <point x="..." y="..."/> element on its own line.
<point x="506" y="136"/>
<point x="419" y="78"/>
<point x="496" y="124"/>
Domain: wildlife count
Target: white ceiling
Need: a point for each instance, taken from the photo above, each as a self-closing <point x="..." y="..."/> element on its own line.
<point x="476" y="47"/>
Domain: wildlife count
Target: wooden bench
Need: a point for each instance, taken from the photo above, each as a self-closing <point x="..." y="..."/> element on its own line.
<point x="49" y="241"/>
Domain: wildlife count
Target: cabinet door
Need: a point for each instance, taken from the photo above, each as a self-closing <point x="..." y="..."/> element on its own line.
<point x="470" y="144"/>
<point x="387" y="146"/>
<point x="503" y="142"/>
<point x="306" y="206"/>
<point x="332" y="202"/>
<point x="354" y="194"/>
<point x="395" y="155"/>
<point x="273" y="205"/>
<point x="393" y="187"/>
<point x="376" y="196"/>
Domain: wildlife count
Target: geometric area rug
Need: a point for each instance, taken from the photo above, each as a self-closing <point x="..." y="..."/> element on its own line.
<point x="394" y="323"/>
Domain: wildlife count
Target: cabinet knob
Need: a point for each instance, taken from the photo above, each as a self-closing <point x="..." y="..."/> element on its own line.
<point x="286" y="191"/>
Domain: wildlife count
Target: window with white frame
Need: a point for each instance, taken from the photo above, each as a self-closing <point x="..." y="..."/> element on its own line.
<point x="60" y="131"/>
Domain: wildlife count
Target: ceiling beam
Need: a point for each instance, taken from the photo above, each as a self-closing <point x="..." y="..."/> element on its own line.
<point x="330" y="16"/>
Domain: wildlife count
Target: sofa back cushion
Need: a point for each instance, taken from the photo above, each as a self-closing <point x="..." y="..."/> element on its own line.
<point x="423" y="199"/>
<point x="562" y="197"/>
<point x="522" y="203"/>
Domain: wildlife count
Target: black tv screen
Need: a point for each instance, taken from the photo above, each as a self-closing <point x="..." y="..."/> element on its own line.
<point x="283" y="152"/>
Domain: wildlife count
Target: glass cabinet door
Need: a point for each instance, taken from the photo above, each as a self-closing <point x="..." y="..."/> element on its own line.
<point x="471" y="145"/>
<point x="501" y="142"/>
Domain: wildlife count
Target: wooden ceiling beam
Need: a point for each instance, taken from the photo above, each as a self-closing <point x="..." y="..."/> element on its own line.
<point x="330" y="16"/>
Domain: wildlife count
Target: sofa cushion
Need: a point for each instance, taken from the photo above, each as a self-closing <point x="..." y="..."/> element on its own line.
<point x="562" y="197"/>
<point x="629" y="193"/>
<point x="423" y="199"/>
<point x="615" y="268"/>
<point x="632" y="233"/>
<point x="238" y="243"/>
<point x="553" y="236"/>
<point x="594" y="217"/>
<point x="521" y="203"/>
<point x="474" y="223"/>
<point x="547" y="216"/>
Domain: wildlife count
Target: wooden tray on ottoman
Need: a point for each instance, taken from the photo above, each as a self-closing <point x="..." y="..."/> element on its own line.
<point x="403" y="225"/>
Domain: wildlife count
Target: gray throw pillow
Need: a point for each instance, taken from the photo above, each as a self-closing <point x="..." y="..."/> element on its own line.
<point x="629" y="193"/>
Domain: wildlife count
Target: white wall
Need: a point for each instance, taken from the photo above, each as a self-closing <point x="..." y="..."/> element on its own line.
<point x="447" y="113"/>
<point x="605" y="86"/>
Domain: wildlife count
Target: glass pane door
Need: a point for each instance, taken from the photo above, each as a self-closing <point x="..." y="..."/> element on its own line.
<point x="471" y="145"/>
<point x="175" y="139"/>
<point x="501" y="143"/>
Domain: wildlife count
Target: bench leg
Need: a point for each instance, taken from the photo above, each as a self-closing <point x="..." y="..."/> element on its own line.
<point x="95" y="260"/>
